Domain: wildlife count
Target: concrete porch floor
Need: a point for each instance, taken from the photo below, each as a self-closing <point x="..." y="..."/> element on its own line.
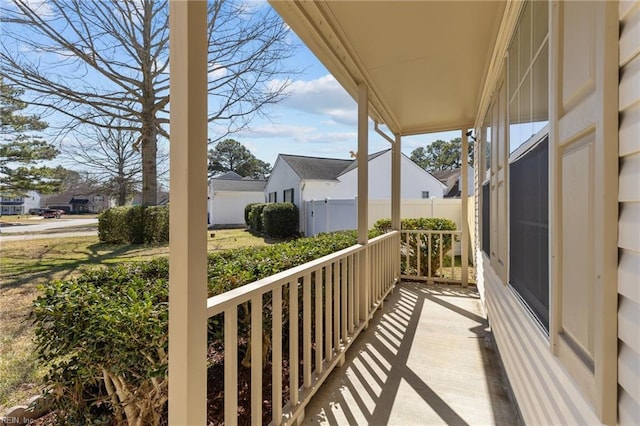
<point x="427" y="358"/>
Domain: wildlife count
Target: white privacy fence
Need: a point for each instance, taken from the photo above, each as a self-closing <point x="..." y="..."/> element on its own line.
<point x="330" y="215"/>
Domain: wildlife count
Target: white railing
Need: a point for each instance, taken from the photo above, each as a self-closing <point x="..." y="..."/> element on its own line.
<point x="430" y="256"/>
<point x="335" y="295"/>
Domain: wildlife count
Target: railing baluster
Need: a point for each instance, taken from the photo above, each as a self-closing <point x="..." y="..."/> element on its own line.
<point x="407" y="253"/>
<point x="356" y="288"/>
<point x="336" y="306"/>
<point x="231" y="366"/>
<point x="256" y="360"/>
<point x="429" y="254"/>
<point x="318" y="312"/>
<point x="441" y="257"/>
<point x="351" y="283"/>
<point x="453" y="255"/>
<point x="276" y="355"/>
<point x="344" y="300"/>
<point x="306" y="325"/>
<point x="378" y="273"/>
<point x="293" y="343"/>
<point x="418" y="254"/>
<point x="328" y="324"/>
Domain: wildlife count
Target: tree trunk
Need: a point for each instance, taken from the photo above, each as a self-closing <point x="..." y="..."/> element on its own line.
<point x="149" y="165"/>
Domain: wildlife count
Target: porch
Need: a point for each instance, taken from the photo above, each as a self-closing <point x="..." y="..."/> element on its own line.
<point x="428" y="357"/>
<point x="340" y="340"/>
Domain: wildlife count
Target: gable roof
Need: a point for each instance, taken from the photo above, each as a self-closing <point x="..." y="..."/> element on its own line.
<point x="354" y="163"/>
<point x="242" y="185"/>
<point x="229" y="176"/>
<point x="315" y="167"/>
<point x="444" y="175"/>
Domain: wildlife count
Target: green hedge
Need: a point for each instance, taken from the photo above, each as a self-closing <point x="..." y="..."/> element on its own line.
<point x="247" y="211"/>
<point x="410" y="244"/>
<point x="134" y="225"/>
<point x="108" y="327"/>
<point x="255" y="216"/>
<point x="280" y="220"/>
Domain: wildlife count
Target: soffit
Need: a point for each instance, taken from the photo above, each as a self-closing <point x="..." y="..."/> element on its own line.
<point x="424" y="61"/>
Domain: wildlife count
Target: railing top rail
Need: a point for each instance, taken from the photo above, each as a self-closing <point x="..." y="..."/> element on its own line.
<point x="219" y="303"/>
<point x="430" y="231"/>
<point x="383" y="237"/>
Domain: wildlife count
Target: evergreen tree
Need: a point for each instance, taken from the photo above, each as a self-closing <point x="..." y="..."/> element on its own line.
<point x="230" y="155"/>
<point x="441" y="155"/>
<point x="22" y="151"/>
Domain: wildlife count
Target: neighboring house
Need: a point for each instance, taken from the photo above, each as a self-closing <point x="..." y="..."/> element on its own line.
<point x="452" y="179"/>
<point x="78" y="201"/>
<point x="228" y="195"/>
<point x="19" y="205"/>
<point x="297" y="179"/>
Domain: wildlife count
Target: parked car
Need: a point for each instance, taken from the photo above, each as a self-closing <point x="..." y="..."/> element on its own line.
<point x="36" y="211"/>
<point x="52" y="214"/>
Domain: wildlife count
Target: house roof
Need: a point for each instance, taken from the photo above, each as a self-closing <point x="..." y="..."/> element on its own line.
<point x="316" y="167"/>
<point x="444" y="175"/>
<point x="354" y="163"/>
<point x="229" y="176"/>
<point x="424" y="62"/>
<point x="242" y="185"/>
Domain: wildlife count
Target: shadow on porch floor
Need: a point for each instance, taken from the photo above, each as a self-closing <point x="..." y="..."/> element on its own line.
<point x="427" y="358"/>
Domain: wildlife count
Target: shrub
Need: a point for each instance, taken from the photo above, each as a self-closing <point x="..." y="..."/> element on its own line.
<point x="104" y="334"/>
<point x="134" y="225"/>
<point x="156" y="224"/>
<point x="280" y="220"/>
<point x="104" y="337"/>
<point x="255" y="216"/>
<point x="411" y="245"/>
<point x="247" y="210"/>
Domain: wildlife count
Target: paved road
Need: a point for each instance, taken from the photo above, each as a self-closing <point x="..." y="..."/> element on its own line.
<point x="48" y="228"/>
<point x="46" y="225"/>
<point x="36" y="236"/>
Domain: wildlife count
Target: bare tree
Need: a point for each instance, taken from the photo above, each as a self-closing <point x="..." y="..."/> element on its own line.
<point x="91" y="59"/>
<point x="107" y="154"/>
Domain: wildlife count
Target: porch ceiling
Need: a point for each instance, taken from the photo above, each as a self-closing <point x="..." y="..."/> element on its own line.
<point x="424" y="61"/>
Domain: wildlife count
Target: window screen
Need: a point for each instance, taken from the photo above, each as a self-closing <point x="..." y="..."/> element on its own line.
<point x="486" y="218"/>
<point x="288" y="195"/>
<point x="529" y="229"/>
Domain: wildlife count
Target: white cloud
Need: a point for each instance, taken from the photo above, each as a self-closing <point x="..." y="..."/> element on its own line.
<point x="40" y="7"/>
<point x="299" y="134"/>
<point x="217" y="72"/>
<point x="322" y="96"/>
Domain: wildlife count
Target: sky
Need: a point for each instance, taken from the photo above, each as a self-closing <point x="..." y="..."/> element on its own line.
<point x="318" y="118"/>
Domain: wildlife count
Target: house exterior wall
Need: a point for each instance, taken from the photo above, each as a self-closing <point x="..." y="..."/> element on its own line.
<point x="629" y="219"/>
<point x="567" y="374"/>
<point x="283" y="177"/>
<point x="227" y="207"/>
<point x="19" y="205"/>
<point x="31" y="201"/>
<point x="413" y="180"/>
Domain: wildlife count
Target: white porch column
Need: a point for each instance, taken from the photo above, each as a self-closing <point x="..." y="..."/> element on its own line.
<point x="363" y="197"/>
<point x="464" y="194"/>
<point x="188" y="214"/>
<point x="396" y="189"/>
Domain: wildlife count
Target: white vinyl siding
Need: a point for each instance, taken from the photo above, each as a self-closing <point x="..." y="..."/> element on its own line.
<point x="568" y="376"/>
<point x="629" y="219"/>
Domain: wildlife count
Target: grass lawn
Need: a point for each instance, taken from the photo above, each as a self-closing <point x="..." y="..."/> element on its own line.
<point x="24" y="265"/>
